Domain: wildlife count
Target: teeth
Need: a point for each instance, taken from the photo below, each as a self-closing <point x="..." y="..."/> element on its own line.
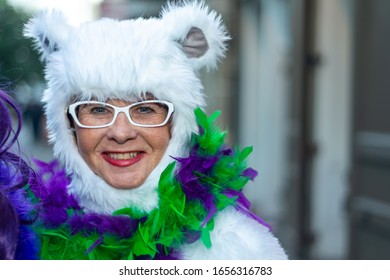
<point x="123" y="155"/>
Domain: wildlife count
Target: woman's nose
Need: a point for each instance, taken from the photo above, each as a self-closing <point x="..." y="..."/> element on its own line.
<point x="122" y="130"/>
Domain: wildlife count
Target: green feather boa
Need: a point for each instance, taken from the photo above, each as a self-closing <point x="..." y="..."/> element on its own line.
<point x="182" y="216"/>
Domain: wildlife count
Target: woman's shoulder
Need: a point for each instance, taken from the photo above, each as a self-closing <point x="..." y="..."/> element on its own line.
<point x="237" y="236"/>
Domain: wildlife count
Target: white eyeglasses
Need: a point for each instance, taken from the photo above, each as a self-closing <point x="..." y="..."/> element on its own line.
<point x="94" y="114"/>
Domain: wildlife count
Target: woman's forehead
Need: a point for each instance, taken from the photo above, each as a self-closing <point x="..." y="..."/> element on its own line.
<point x="131" y="98"/>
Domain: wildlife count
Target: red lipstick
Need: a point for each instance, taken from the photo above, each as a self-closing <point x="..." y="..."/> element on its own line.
<point x="122" y="161"/>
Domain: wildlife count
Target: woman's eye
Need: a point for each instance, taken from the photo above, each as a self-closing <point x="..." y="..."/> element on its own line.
<point x="145" y="109"/>
<point x="98" y="110"/>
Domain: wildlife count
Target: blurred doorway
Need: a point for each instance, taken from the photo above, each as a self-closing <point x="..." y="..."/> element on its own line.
<point x="370" y="185"/>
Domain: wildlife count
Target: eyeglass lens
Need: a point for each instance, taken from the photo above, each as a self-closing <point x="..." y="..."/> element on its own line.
<point x="93" y="114"/>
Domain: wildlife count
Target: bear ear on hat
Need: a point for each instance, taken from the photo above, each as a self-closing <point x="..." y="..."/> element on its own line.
<point x="49" y="29"/>
<point x="200" y="33"/>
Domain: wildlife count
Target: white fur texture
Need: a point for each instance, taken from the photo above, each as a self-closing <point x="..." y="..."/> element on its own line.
<point x="236" y="236"/>
<point x="124" y="60"/>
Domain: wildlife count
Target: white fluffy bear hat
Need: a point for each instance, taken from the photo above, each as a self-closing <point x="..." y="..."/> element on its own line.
<point x="125" y="60"/>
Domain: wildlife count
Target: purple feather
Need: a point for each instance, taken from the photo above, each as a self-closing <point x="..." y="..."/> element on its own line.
<point x="173" y="255"/>
<point x="240" y="197"/>
<point x="122" y="226"/>
<point x="227" y="152"/>
<point x="243" y="205"/>
<point x="95" y="244"/>
<point x="16" y="238"/>
<point x="53" y="195"/>
<point x="28" y="244"/>
<point x="250" y="173"/>
<point x="189" y="172"/>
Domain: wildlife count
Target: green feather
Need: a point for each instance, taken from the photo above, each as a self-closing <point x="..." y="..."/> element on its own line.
<point x="212" y="138"/>
<point x="131" y="212"/>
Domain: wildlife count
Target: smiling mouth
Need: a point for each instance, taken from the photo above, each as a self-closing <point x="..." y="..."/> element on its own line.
<point x="123" y="156"/>
<point x="123" y="159"/>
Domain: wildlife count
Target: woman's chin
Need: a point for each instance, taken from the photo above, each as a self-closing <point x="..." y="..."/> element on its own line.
<point x="124" y="185"/>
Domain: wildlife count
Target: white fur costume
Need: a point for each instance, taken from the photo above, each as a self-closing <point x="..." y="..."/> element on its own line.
<point x="124" y="60"/>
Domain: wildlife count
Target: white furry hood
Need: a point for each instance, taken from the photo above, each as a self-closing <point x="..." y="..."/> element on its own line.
<point x="124" y="59"/>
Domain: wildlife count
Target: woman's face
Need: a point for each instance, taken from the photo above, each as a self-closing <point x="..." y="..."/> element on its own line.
<point x="122" y="154"/>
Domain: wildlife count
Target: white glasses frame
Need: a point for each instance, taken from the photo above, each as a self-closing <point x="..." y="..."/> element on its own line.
<point x="125" y="110"/>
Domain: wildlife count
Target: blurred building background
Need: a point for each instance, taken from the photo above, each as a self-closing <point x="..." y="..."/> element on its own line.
<point x="305" y="82"/>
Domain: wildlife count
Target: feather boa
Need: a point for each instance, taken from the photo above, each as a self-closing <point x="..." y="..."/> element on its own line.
<point x="191" y="192"/>
<point x="14" y="186"/>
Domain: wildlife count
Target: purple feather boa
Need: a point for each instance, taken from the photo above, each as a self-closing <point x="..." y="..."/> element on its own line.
<point x="58" y="207"/>
<point x="15" y="189"/>
<point x="55" y="204"/>
<point x="17" y="240"/>
<point x="188" y="175"/>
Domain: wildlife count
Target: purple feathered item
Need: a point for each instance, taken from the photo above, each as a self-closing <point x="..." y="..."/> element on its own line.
<point x="52" y="193"/>
<point x="17" y="240"/>
<point x="193" y="188"/>
<point x="209" y="182"/>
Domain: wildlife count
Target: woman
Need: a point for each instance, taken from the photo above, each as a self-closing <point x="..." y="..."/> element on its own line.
<point x="17" y="241"/>
<point x="149" y="174"/>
